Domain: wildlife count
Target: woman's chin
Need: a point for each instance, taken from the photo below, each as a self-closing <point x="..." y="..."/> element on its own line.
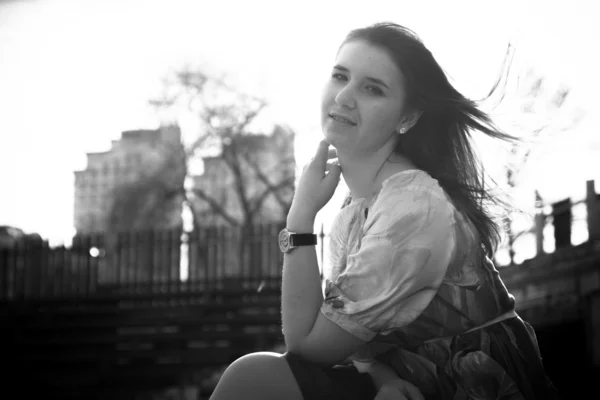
<point x="333" y="138"/>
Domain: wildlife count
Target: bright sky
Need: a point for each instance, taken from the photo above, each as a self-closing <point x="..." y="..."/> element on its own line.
<point x="74" y="74"/>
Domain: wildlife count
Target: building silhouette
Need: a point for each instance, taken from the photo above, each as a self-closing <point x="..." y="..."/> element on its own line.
<point x="135" y="154"/>
<point x="267" y="167"/>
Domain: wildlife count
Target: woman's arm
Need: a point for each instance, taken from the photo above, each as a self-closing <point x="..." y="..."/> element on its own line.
<point x="307" y="331"/>
<point x="387" y="383"/>
<point x="301" y="287"/>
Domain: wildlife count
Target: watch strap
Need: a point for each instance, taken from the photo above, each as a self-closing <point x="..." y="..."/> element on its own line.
<point x="303" y="239"/>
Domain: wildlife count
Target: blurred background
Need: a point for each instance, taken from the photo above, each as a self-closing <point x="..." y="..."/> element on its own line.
<point x="149" y="151"/>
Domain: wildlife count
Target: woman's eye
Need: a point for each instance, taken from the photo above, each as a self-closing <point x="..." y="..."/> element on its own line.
<point x="374" y="90"/>
<point x="339" y="77"/>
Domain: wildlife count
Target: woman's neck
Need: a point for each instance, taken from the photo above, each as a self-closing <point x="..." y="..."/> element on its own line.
<point x="364" y="174"/>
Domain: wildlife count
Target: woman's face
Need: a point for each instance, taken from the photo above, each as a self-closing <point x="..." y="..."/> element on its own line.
<point x="363" y="101"/>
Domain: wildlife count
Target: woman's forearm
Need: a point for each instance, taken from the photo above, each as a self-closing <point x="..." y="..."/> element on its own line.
<point x="301" y="287"/>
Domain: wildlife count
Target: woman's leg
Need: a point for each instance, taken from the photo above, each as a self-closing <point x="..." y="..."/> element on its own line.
<point x="262" y="375"/>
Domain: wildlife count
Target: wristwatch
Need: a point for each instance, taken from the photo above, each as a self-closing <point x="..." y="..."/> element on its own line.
<point x="288" y="241"/>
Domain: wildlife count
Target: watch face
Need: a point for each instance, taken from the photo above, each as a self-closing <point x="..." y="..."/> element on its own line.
<point x="284" y="241"/>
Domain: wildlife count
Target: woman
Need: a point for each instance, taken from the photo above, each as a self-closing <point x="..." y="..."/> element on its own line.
<point x="412" y="298"/>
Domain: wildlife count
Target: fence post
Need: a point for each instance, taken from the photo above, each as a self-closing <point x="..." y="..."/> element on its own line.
<point x="22" y="267"/>
<point x="163" y="258"/>
<point x="562" y="218"/>
<point x="138" y="255"/>
<point x="27" y="268"/>
<point x="61" y="253"/>
<point x="93" y="265"/>
<point x="4" y="274"/>
<point x="119" y="257"/>
<point x="592" y="201"/>
<point x="175" y="261"/>
<point x="44" y="268"/>
<point x="540" y="222"/>
<point x="75" y="251"/>
<point x="77" y="248"/>
<point x="124" y="266"/>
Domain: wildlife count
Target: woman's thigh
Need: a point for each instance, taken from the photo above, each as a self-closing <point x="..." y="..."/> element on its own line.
<point x="262" y="375"/>
<point x="339" y="382"/>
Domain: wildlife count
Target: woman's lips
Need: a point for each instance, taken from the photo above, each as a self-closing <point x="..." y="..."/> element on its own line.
<point x="342" y="119"/>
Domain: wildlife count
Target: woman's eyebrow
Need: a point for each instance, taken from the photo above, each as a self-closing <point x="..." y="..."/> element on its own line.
<point x="369" y="78"/>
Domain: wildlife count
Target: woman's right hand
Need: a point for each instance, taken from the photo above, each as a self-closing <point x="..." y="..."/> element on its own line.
<point x="399" y="389"/>
<point x="316" y="186"/>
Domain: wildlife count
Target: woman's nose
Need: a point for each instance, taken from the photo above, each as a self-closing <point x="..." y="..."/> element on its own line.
<point x="345" y="97"/>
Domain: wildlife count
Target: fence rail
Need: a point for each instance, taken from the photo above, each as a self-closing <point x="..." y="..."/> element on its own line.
<point x="143" y="262"/>
<point x="556" y="226"/>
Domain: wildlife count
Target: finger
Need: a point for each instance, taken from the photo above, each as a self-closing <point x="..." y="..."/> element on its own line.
<point x="383" y="394"/>
<point x="332" y="153"/>
<point x="334" y="170"/>
<point x="413" y="392"/>
<point x="386" y="393"/>
<point x="332" y="178"/>
<point x="321" y="156"/>
<point x="330" y="163"/>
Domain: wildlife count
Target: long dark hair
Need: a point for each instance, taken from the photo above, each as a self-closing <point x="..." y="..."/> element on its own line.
<point x="440" y="142"/>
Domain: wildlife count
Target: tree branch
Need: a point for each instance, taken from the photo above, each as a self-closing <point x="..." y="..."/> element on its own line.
<point x="270" y="186"/>
<point x="215" y="206"/>
<point x="257" y="202"/>
<point x="225" y="115"/>
<point x="249" y="117"/>
<point x="231" y="157"/>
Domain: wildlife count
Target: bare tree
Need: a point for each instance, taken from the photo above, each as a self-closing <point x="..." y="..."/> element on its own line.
<point x="542" y="116"/>
<point x="259" y="165"/>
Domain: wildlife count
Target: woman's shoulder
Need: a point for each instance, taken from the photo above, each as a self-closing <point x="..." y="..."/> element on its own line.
<point x="411" y="198"/>
<point x="410" y="203"/>
<point x="411" y="180"/>
<point x="411" y="190"/>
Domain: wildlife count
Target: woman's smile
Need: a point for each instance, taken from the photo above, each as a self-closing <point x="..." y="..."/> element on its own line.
<point x="342" y="119"/>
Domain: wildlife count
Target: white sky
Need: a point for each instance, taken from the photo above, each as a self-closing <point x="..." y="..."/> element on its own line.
<point x="74" y="74"/>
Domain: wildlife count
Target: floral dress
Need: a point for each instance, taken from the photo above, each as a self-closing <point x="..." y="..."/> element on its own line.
<point x="409" y="276"/>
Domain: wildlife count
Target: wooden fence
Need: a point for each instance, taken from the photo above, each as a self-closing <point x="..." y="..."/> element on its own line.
<point x="565" y="222"/>
<point x="561" y="216"/>
<point x="142" y="262"/>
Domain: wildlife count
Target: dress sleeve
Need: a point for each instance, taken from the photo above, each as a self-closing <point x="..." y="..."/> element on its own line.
<point x="396" y="268"/>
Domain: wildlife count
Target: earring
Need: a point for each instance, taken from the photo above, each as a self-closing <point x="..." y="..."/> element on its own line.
<point x="402" y="131"/>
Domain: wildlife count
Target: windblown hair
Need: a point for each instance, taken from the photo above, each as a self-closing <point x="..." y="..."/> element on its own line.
<point x="440" y="142"/>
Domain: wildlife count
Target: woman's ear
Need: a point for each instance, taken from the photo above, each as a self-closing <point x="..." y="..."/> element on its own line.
<point x="408" y="121"/>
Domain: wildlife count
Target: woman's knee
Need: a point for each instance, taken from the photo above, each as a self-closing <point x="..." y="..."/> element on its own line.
<point x="259" y="374"/>
<point x="256" y="364"/>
